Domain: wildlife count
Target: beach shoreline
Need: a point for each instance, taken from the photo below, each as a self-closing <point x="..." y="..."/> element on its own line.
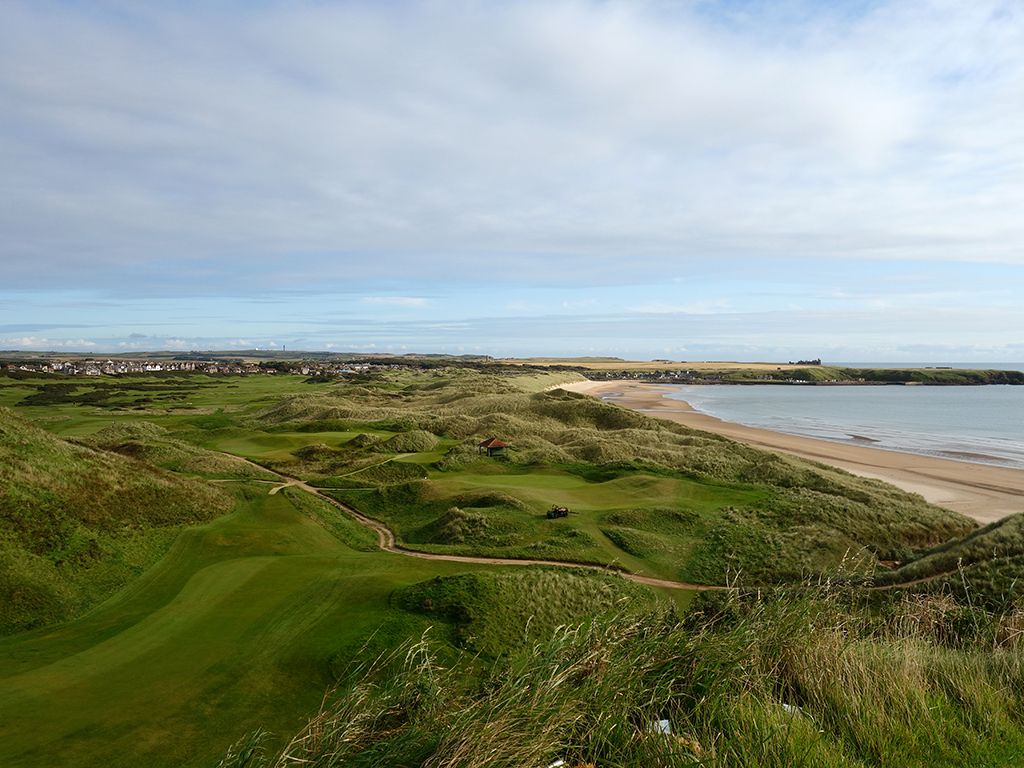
<point x="983" y="492"/>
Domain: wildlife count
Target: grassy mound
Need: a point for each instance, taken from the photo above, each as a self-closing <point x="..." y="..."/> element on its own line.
<point x="362" y="440"/>
<point x="987" y="564"/>
<point x="769" y="517"/>
<point x="781" y="680"/>
<point x="457" y="526"/>
<point x="156" y="445"/>
<point x="380" y="474"/>
<point x="316" y="452"/>
<point x="77" y="522"/>
<point x="497" y="612"/>
<point x="634" y="542"/>
<point x="414" y="441"/>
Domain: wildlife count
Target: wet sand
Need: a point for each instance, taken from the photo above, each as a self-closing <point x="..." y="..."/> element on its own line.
<point x="980" y="491"/>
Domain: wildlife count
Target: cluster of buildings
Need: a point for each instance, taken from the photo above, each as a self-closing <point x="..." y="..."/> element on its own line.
<point x="705" y="377"/>
<point x="657" y="376"/>
<point x="100" y="367"/>
<point x="124" y="367"/>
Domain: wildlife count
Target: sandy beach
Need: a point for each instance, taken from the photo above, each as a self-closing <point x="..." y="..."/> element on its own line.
<point x="982" y="492"/>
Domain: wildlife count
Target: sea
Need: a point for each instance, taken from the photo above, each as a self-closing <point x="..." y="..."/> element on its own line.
<point x="982" y="424"/>
<point x="967" y="366"/>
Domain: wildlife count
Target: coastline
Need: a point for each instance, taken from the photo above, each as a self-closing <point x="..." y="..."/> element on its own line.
<point x="982" y="492"/>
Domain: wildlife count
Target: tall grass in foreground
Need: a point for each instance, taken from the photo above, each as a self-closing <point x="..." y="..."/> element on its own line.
<point x="764" y="680"/>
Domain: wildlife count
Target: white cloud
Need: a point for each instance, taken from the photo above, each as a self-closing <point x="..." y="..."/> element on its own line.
<point x="704" y="307"/>
<point x="44" y="344"/>
<point x="374" y="154"/>
<point x="397" y="301"/>
<point x="298" y="144"/>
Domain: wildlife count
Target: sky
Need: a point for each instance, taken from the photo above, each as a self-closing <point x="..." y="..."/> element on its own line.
<point x="690" y="180"/>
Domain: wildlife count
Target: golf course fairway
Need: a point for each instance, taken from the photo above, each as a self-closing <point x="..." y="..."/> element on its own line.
<point x="236" y="627"/>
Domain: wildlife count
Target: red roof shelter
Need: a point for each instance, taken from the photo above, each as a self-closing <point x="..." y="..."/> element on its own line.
<point x="492" y="446"/>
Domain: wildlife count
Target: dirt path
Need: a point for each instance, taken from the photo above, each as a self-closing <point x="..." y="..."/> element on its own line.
<point x="386" y="540"/>
<point x="387" y="543"/>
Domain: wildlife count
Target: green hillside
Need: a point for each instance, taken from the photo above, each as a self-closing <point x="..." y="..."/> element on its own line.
<point x="76" y="523"/>
<point x="647" y="495"/>
<point x="494" y="613"/>
<point x="244" y="622"/>
<point x="986" y="566"/>
<point x="182" y="597"/>
<point x="154" y="444"/>
<point x="803" y="679"/>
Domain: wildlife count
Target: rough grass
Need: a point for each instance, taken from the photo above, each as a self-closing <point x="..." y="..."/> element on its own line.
<point x="77" y="523"/>
<point x="154" y="444"/>
<point x="987" y="565"/>
<point x="774" y="518"/>
<point x="777" y="680"/>
<point x="494" y="613"/>
<point x="637" y="543"/>
<point x="414" y="441"/>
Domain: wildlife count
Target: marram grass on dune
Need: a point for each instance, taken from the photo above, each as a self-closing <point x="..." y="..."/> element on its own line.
<point x="804" y="678"/>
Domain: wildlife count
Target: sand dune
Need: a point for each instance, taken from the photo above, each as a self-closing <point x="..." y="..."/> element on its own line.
<point x="982" y="492"/>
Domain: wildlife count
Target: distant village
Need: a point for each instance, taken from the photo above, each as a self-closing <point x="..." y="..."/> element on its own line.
<point x="672" y="376"/>
<point x="23" y="365"/>
<point x="81" y="365"/>
<point x="124" y="367"/>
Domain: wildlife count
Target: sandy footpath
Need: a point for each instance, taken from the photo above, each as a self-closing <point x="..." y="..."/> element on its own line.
<point x="980" y="491"/>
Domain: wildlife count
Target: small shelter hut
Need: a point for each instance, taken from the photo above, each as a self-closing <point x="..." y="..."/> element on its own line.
<point x="492" y="446"/>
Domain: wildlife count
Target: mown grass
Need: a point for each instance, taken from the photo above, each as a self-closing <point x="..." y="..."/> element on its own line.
<point x="780" y="679"/>
<point x="768" y="517"/>
<point x="77" y="523"/>
<point x="502" y="513"/>
<point x="243" y="623"/>
<point x="250" y="615"/>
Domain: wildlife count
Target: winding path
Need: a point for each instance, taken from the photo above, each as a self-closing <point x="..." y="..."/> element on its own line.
<point x="387" y="543"/>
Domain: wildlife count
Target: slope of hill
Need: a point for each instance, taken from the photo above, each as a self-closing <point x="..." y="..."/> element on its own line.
<point x="647" y="494"/>
<point x="778" y="679"/>
<point x="986" y="566"/>
<point x="494" y="613"/>
<point x="155" y="445"/>
<point x="76" y="522"/>
<point x="251" y="615"/>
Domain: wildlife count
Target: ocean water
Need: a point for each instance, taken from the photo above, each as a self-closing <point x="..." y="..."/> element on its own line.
<point x="977" y="424"/>
<point x="969" y="366"/>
